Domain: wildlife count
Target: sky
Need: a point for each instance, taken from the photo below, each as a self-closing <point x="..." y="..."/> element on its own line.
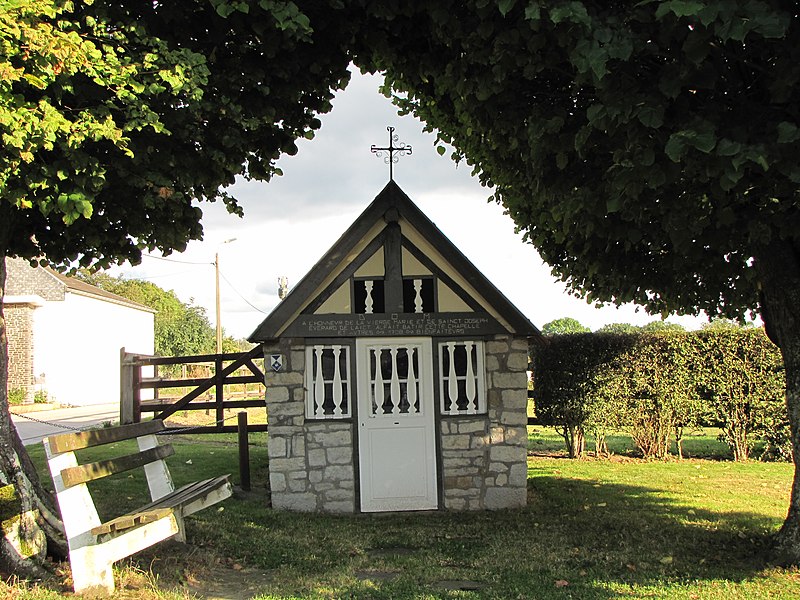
<point x="290" y="222"/>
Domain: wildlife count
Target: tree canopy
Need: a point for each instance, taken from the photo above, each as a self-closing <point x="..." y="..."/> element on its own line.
<point x="647" y="149"/>
<point x="564" y="325"/>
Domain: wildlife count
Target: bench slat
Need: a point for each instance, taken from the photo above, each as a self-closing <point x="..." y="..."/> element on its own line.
<point x="66" y="442"/>
<point x="133" y="520"/>
<point x="163" y="506"/>
<point x="187" y="493"/>
<point x="103" y="468"/>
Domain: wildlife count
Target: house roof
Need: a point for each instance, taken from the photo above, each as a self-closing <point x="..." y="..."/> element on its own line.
<point x="26" y="281"/>
<point x="390" y="205"/>
<point x="87" y="289"/>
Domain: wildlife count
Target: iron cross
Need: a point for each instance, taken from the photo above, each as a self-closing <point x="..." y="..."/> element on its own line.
<point x="392" y="152"/>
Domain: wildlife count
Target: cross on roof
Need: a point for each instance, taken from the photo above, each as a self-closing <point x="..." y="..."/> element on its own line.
<point x="391" y="154"/>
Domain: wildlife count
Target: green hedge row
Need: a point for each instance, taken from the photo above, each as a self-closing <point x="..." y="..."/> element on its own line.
<point x="653" y="385"/>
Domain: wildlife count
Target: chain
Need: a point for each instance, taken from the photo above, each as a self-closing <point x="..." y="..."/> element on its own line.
<point x="25" y="416"/>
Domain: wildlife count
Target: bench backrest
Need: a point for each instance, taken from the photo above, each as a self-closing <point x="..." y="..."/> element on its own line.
<point x="70" y="478"/>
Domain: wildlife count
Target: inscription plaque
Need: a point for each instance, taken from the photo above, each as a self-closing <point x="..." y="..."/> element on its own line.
<point x="394" y="325"/>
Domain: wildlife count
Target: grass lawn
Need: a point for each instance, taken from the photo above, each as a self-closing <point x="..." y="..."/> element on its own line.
<point x="616" y="528"/>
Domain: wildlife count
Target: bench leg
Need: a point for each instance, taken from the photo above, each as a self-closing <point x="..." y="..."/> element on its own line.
<point x="91" y="572"/>
<point x="181" y="535"/>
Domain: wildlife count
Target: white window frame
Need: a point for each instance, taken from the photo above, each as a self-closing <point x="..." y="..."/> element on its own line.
<point x="316" y="385"/>
<point x="475" y="382"/>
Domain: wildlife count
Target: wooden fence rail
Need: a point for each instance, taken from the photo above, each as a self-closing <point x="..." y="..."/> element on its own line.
<point x="134" y="378"/>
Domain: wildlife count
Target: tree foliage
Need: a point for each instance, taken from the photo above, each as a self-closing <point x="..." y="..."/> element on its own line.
<point x="564" y="325"/>
<point x="181" y="329"/>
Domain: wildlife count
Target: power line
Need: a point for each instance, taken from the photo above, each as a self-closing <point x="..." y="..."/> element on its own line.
<point x="172" y="260"/>
<point x="240" y="295"/>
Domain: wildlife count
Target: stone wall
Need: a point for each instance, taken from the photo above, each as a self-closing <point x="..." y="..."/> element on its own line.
<point x="22" y="280"/>
<point x="19" y="329"/>
<point x="310" y="462"/>
<point x="484" y="457"/>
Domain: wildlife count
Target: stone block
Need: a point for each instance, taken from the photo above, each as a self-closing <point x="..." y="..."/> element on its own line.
<point x="514" y="398"/>
<point x="282" y="429"/>
<point x="507" y="454"/>
<point x="338" y="473"/>
<point x="286" y="378"/>
<point x="333" y="438"/>
<point x="520" y="345"/>
<point x="315" y="476"/>
<point x="298" y="485"/>
<point x="492" y="364"/>
<point x="514" y="417"/>
<point x="276" y="447"/>
<point x="276" y="394"/>
<point x="339" y="495"/>
<point x="297" y="360"/>
<point x="502" y="478"/>
<point x="284" y="465"/>
<point x="287" y="409"/>
<point x="277" y="481"/>
<point x="453" y="462"/>
<point x="479" y="441"/>
<point x="518" y="476"/>
<point x="299" y="395"/>
<point x="497" y="498"/>
<point x="455" y="442"/>
<point x="339" y="507"/>
<point x="497" y="435"/>
<point x="297" y="502"/>
<point x="455" y="503"/>
<point x="510" y="380"/>
<point x="497" y="347"/>
<point x="517" y="361"/>
<point x="342" y="455"/>
<point x="316" y="458"/>
<point x="299" y="445"/>
<point x="472" y="425"/>
<point x="517" y="435"/>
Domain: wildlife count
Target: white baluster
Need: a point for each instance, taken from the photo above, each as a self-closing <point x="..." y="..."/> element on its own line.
<point x="337" y="382"/>
<point x="452" y="383"/>
<point x="319" y="385"/>
<point x="472" y="406"/>
<point x="368" y="300"/>
<point x="411" y="383"/>
<point x="377" y="402"/>
<point x="394" y="388"/>
<point x="418" y="295"/>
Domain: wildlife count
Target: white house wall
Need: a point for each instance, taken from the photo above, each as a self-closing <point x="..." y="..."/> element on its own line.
<point x="77" y="344"/>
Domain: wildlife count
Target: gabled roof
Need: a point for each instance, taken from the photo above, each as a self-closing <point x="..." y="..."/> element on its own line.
<point x="391" y="204"/>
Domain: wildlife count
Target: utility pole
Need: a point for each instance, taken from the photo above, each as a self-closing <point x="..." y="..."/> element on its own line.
<point x="219" y="311"/>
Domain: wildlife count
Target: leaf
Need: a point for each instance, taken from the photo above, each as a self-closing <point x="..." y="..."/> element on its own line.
<point x="533" y="12"/>
<point x="651" y="116"/>
<point x="680" y="8"/>
<point x="787" y="132"/>
<point x="441" y="150"/>
<point x="505" y="6"/>
<point x="574" y="12"/>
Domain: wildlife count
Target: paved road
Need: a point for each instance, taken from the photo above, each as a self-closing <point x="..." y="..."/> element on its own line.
<point x="33" y="426"/>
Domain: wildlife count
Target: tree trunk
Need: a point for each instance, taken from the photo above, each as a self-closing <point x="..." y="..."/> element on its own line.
<point x="778" y="269"/>
<point x="36" y="527"/>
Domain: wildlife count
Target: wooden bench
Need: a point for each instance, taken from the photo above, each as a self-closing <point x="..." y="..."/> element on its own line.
<point x="93" y="545"/>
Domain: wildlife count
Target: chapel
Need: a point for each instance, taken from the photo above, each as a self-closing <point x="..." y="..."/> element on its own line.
<point x="396" y="376"/>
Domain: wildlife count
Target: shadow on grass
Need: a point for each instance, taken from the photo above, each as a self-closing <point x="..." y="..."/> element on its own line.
<point x="575" y="539"/>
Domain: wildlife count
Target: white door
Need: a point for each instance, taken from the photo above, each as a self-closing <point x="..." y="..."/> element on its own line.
<point x="396" y="446"/>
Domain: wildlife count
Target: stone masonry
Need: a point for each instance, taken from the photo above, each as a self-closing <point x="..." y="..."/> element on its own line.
<point x="310" y="462"/>
<point x="484" y="457"/>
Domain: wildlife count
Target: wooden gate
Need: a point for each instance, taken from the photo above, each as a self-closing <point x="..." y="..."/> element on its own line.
<point x="222" y="372"/>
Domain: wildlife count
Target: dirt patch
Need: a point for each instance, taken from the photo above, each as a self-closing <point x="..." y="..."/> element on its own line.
<point x="228" y="583"/>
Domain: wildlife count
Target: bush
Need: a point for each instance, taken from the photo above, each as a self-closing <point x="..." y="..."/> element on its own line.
<point x="16" y="396"/>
